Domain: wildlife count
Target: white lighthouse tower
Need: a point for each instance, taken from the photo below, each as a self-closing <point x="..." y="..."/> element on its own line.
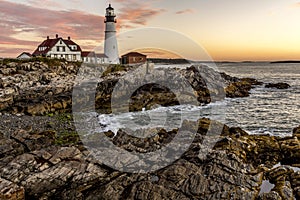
<point x="111" y="44"/>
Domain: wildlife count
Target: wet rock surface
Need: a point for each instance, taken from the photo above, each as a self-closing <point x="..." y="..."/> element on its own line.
<point x="278" y="85"/>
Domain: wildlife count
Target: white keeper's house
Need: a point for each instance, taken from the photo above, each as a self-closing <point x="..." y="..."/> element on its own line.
<point x="59" y="48"/>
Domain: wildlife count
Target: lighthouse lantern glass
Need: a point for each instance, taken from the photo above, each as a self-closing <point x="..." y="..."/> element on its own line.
<point x="110" y="12"/>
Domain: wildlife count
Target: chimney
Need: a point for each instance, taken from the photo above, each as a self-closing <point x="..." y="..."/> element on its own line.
<point x="56" y="35"/>
<point x="69" y="38"/>
<point x="47" y="37"/>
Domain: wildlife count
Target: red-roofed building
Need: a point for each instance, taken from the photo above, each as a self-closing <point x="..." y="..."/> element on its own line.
<point x="134" y="58"/>
<point x="92" y="57"/>
<point x="59" y="48"/>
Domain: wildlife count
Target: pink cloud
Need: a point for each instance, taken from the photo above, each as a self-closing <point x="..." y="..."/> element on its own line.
<point x="135" y="13"/>
<point x="17" y="18"/>
<point x="186" y="11"/>
<point x="44" y="3"/>
<point x="138" y="16"/>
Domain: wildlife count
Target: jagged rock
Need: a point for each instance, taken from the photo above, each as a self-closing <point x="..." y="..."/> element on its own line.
<point x="229" y="171"/>
<point x="270" y="196"/>
<point x="278" y="172"/>
<point x="32" y="87"/>
<point x="296" y="132"/>
<point x="33" y="142"/>
<point x="238" y="89"/>
<point x="290" y="150"/>
<point x="11" y="191"/>
<point x="295" y="182"/>
<point x="44" y="173"/>
<point x="278" y="85"/>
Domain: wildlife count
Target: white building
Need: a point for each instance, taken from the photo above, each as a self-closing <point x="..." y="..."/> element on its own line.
<point x="24" y="56"/>
<point x="92" y="57"/>
<point x="59" y="48"/>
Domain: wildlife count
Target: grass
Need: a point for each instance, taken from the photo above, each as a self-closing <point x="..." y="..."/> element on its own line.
<point x="63" y="118"/>
<point x="114" y="68"/>
<point x="67" y="138"/>
<point x="48" y="61"/>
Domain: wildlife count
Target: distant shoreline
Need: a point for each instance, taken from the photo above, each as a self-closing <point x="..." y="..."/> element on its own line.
<point x="286" y="61"/>
<point x="184" y="61"/>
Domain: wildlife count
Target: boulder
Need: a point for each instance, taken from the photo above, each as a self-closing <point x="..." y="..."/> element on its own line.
<point x="278" y="85"/>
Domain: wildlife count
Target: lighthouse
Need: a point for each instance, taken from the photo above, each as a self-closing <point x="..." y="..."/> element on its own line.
<point x="111" y="44"/>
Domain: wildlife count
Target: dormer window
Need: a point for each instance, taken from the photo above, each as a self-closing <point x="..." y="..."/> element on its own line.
<point x="73" y="47"/>
<point x="42" y="48"/>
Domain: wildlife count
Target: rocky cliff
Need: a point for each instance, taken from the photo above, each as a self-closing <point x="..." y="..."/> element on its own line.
<point x="35" y="166"/>
<point x="39" y="88"/>
<point x="42" y="156"/>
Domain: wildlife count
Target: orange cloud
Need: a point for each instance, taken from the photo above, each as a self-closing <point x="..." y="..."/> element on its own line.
<point x="296" y="4"/>
<point x="158" y="53"/>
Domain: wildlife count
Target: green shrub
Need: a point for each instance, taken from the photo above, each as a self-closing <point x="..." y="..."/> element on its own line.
<point x="67" y="138"/>
<point x="114" y="68"/>
<point x="48" y="61"/>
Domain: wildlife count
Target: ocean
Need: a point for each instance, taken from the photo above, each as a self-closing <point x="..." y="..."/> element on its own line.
<point x="266" y="111"/>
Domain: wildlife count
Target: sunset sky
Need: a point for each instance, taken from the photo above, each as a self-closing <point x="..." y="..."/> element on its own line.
<point x="231" y="30"/>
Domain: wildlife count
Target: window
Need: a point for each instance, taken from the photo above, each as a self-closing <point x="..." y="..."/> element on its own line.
<point x="57" y="49"/>
<point x="63" y="49"/>
<point x="60" y="42"/>
<point x="74" y="57"/>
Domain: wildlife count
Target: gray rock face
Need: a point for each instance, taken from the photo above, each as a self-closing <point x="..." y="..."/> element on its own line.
<point x="36" y="88"/>
<point x="34" y="167"/>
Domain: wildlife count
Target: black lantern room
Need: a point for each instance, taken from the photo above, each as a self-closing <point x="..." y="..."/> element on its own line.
<point x="110" y="14"/>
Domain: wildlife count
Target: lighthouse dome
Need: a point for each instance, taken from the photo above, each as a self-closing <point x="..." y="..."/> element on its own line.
<point x="109" y="7"/>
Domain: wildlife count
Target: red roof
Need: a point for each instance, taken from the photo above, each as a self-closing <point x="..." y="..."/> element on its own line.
<point x="49" y="43"/>
<point x="134" y="54"/>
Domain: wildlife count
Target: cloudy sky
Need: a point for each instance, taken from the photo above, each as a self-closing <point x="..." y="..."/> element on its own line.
<point x="227" y="30"/>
